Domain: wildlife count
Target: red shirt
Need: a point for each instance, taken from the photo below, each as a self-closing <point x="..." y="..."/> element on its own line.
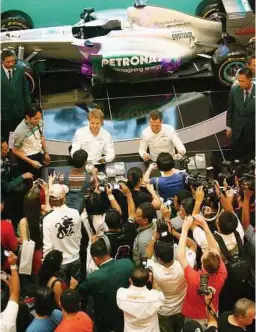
<point x="80" y="323"/>
<point x="8" y="238"/>
<point x="194" y="305"/>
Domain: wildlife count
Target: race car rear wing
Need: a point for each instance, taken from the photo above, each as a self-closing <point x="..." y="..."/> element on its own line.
<point x="240" y="20"/>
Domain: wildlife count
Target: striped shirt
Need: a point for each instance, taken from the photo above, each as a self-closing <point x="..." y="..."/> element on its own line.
<point x="76" y="178"/>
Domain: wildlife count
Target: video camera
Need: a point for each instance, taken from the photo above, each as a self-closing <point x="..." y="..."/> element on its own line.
<point x="203" y="287"/>
<point x="198" y="180"/>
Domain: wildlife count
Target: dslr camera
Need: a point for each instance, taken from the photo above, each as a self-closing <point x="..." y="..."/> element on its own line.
<point x="203" y="287"/>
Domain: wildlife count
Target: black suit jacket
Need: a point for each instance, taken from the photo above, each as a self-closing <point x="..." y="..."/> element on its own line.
<point x="15" y="95"/>
<point x="240" y="115"/>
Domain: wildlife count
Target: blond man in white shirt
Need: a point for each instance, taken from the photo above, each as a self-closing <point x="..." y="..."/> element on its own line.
<point x="139" y="304"/>
<point x="159" y="137"/>
<point x="95" y="140"/>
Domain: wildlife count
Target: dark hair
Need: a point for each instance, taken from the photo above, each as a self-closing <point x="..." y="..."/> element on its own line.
<point x="32" y="111"/>
<point x="70" y="301"/>
<point x="6" y="53"/>
<point x="148" y="211"/>
<point x="113" y="219"/>
<point x="140" y="276"/>
<point x="45" y="302"/>
<point x="97" y="203"/>
<point x="250" y="57"/>
<point x="32" y="212"/>
<point x="164" y="251"/>
<point x="241" y="169"/>
<point x="188" y="205"/>
<point x="227" y="222"/>
<point x="165" y="161"/>
<point x="211" y="262"/>
<point x="3" y="140"/>
<point x="182" y="195"/>
<point x="51" y="267"/>
<point x="246" y="71"/>
<point x="99" y="249"/>
<point x="134" y="175"/>
<point x="79" y="158"/>
<point x="156" y="115"/>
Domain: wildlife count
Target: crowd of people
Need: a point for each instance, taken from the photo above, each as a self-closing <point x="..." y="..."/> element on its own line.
<point x="152" y="252"/>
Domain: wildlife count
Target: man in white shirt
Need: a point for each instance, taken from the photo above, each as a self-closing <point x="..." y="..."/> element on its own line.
<point x="62" y="231"/>
<point x="139" y="304"/>
<point x="95" y="140"/>
<point x="159" y="137"/>
<point x="10" y="309"/>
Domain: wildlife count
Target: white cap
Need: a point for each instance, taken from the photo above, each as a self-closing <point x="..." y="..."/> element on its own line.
<point x="58" y="191"/>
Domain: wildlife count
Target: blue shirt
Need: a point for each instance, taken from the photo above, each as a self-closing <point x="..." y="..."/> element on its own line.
<point x="47" y="324"/>
<point x="169" y="186"/>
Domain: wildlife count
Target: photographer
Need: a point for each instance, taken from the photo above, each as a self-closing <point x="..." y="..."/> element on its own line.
<point x="166" y="232"/>
<point x="171" y="180"/>
<point x="177" y="199"/>
<point x="213" y="270"/>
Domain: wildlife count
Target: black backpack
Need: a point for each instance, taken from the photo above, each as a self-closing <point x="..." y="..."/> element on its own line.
<point x="238" y="267"/>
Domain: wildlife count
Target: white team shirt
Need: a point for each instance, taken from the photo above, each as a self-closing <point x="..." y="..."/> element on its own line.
<point x="95" y="146"/>
<point x="140" y="307"/>
<point x="8" y="317"/>
<point x="164" y="141"/>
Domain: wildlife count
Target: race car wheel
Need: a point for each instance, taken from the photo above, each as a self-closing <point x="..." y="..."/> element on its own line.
<point x="212" y="10"/>
<point x="228" y="69"/>
<point x="12" y="20"/>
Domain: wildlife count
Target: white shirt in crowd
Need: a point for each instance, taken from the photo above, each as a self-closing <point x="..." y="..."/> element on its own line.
<point x="8" y="317"/>
<point x="140" y="307"/>
<point x="229" y="240"/>
<point x="62" y="231"/>
<point x="172" y="283"/>
<point x="95" y="146"/>
<point x="164" y="141"/>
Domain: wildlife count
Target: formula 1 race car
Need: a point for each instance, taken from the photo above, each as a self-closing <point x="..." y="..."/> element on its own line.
<point x="143" y="43"/>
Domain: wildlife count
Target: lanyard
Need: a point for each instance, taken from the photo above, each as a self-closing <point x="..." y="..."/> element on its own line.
<point x="32" y="131"/>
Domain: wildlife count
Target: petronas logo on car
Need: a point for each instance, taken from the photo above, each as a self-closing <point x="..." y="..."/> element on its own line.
<point x="131" y="61"/>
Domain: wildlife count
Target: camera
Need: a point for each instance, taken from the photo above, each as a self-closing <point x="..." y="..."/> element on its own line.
<point x="203" y="287"/>
<point x="168" y="204"/>
<point x="162" y="229"/>
<point x="51" y="171"/>
<point x="200" y="180"/>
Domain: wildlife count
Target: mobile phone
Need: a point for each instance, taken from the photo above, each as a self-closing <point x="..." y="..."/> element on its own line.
<point x="50" y="171"/>
<point x="7" y="253"/>
<point x="4" y="276"/>
<point x="116" y="186"/>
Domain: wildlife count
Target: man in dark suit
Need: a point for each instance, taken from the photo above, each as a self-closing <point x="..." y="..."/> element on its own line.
<point x="15" y="94"/>
<point x="240" y="119"/>
<point x="103" y="284"/>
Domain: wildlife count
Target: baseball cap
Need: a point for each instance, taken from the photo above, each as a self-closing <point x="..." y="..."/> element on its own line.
<point x="192" y="326"/>
<point x="58" y="191"/>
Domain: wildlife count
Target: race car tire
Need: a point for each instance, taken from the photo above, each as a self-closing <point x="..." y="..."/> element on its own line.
<point x="226" y="64"/>
<point x="212" y="10"/>
<point x="12" y="20"/>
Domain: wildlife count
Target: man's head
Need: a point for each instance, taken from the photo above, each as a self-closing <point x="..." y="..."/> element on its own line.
<point x="226" y="223"/>
<point x="245" y="78"/>
<point x="99" y="252"/>
<point x="113" y="219"/>
<point x="155" y="121"/>
<point x="70" y="301"/>
<point x="244" y="311"/>
<point x="187" y="207"/>
<point x="4" y="148"/>
<point x="164" y="252"/>
<point x="145" y="213"/>
<point x="251" y="63"/>
<point x="79" y="158"/>
<point x="8" y="59"/>
<point x="45" y="302"/>
<point x="95" y="118"/>
<point x="179" y="197"/>
<point x="57" y="194"/>
<point x="165" y="162"/>
<point x="33" y="115"/>
<point x="210" y="262"/>
<point x="139" y="277"/>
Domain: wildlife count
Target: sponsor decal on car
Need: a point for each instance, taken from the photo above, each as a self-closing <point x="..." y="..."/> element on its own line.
<point x="182" y="35"/>
<point x="245" y="31"/>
